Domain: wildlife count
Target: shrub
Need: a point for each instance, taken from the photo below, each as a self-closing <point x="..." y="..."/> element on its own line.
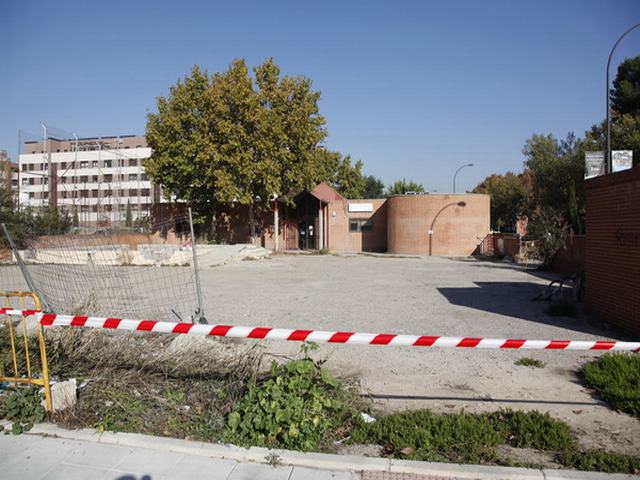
<point x="600" y="461"/>
<point x="424" y="435"/>
<point x="616" y="377"/>
<point x="532" y="430"/>
<point x="299" y="406"/>
<point x="463" y="437"/>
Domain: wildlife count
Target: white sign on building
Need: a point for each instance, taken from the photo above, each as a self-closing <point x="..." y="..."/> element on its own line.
<point x="361" y="207"/>
<point x="593" y="164"/>
<point x="621" y="160"/>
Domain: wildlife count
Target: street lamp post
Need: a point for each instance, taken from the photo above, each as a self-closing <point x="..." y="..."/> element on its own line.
<point x="456" y="174"/>
<point x="430" y="231"/>
<point x="608" y="158"/>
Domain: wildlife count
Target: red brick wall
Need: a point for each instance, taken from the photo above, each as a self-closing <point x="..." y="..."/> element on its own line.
<point x="342" y="240"/>
<point x="457" y="230"/>
<point x="613" y="248"/>
<point x="570" y="259"/>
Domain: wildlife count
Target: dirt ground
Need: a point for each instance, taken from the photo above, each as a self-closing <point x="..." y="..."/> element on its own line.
<point x="426" y="296"/>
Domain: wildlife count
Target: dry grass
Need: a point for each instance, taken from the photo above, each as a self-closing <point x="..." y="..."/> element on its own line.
<point x="178" y="386"/>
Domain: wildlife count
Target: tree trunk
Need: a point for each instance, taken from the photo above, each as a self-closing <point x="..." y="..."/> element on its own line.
<point x="211" y="227"/>
<point x="252" y="224"/>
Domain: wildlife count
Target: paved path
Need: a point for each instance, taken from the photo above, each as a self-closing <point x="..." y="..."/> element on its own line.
<point x="30" y="457"/>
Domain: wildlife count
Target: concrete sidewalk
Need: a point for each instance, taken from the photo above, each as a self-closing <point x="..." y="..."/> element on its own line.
<point x="33" y="457"/>
<point x="50" y="452"/>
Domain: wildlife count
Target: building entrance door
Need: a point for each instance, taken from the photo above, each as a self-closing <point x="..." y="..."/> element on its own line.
<point x="307" y="238"/>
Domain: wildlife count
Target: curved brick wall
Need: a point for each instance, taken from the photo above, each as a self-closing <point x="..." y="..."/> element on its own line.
<point x="457" y="230"/>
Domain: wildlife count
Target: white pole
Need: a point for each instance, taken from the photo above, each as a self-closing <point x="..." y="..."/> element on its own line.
<point x="45" y="156"/>
<point x="276" y="226"/>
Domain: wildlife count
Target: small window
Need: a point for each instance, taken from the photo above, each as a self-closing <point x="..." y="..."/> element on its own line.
<point x="133" y="162"/>
<point x="84" y="164"/>
<point x="360" y="225"/>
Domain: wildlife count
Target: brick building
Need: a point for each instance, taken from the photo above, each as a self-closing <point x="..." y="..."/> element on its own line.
<point x="440" y="224"/>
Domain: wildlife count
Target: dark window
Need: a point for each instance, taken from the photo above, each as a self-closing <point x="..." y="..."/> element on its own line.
<point x="360" y="224"/>
<point x="133" y="162"/>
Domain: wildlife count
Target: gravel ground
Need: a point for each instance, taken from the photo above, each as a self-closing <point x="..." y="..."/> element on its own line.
<point x="422" y="296"/>
<point x="426" y="296"/>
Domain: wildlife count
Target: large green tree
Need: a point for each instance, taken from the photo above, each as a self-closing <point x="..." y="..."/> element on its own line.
<point x="373" y="187"/>
<point x="340" y="173"/>
<point x="230" y="138"/>
<point x="625" y="94"/>
<point x="185" y="157"/>
<point x="557" y="176"/>
<point x="401" y="187"/>
<point x="509" y="198"/>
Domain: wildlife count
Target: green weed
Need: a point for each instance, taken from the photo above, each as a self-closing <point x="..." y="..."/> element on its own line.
<point x="299" y="405"/>
<point x="529" y="362"/>
<point x="22" y="407"/>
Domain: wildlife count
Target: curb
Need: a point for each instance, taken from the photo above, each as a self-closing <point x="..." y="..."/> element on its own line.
<point x="323" y="461"/>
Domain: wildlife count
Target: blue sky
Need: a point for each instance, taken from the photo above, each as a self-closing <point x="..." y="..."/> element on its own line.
<point x="413" y="89"/>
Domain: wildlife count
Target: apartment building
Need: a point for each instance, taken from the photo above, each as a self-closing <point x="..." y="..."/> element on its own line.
<point x="96" y="177"/>
<point x="8" y="172"/>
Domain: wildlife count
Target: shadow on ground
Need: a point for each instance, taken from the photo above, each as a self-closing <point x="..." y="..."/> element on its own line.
<point x="515" y="299"/>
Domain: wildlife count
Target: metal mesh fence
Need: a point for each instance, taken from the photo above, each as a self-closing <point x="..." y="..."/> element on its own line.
<point x="11" y="279"/>
<point x="124" y="273"/>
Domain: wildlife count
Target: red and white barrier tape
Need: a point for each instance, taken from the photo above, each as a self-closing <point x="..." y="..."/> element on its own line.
<point x="319" y="336"/>
<point x="16" y="313"/>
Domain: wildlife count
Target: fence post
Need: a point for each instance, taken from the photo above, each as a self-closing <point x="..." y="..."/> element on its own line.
<point x="23" y="269"/>
<point x="200" y="311"/>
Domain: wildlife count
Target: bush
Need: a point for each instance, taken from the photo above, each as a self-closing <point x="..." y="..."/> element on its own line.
<point x="463" y="437"/>
<point x="299" y="406"/>
<point x="550" y="231"/>
<point x="616" y="377"/>
<point x="600" y="461"/>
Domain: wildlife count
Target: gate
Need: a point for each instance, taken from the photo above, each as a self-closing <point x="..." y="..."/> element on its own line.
<point x="21" y="366"/>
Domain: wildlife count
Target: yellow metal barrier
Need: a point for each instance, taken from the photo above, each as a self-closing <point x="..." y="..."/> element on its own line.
<point x="23" y="373"/>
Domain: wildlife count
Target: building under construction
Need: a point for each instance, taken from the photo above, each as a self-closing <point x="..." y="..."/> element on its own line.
<point x="99" y="178"/>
